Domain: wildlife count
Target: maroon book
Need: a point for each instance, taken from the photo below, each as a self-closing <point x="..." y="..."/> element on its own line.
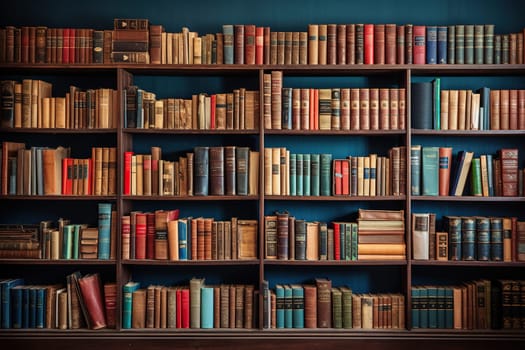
<point x="90" y="289"/>
<point x="379" y="44"/>
<point x="419" y="43"/>
<point x="110" y="301"/>
<point x="249" y="44"/>
<point x="140" y="236"/>
<point x="238" y="40"/>
<point x="150" y="235"/>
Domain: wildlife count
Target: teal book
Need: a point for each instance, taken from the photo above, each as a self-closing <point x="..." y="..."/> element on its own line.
<point x="354" y="240"/>
<point x="279" y="306"/>
<point x="17" y="306"/>
<point x="468" y="238"/>
<point x="307" y="186"/>
<point x="288" y="307"/>
<point x="315" y="189"/>
<point x="436" y="104"/>
<point x="127" y="302"/>
<point x="140" y="109"/>
<point x="430" y="171"/>
<point x="6" y="287"/>
<point x="423" y="307"/>
<point x="299" y="176"/>
<point x="431" y="44"/>
<point x="475" y="177"/>
<point x="104" y="230"/>
<point x="201" y="168"/>
<point x="432" y="306"/>
<point x="496" y="239"/>
<point x="415" y="292"/>
<point x="183" y="239"/>
<point x="207" y="307"/>
<point x="40" y="307"/>
<point x="460" y="44"/>
<point x="227" y="31"/>
<point x="326" y="174"/>
<point x="415" y="169"/>
<point x="76" y="242"/>
<point x="449" y="307"/>
<point x="451" y="44"/>
<point x="67" y="241"/>
<point x="293" y="174"/>
<point x="298" y="305"/>
<point x="441" y="307"/>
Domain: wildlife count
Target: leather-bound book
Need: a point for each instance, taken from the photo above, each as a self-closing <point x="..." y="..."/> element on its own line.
<point x="238" y="41"/>
<point x="350" y="44"/>
<point x="313" y="44"/>
<point x="400" y="44"/>
<point x="282" y="235"/>
<point x="368" y="43"/>
<point x="331" y="44"/>
<point x="110" y="302"/>
<point x="354" y="109"/>
<point x="242" y="169"/>
<point x="310" y="306"/>
<point x="201" y="169"/>
<point x="359" y="43"/>
<point x="138" y="313"/>
<point x="216" y="172"/>
<point x="374" y="109"/>
<point x="379" y="44"/>
<point x="324" y="305"/>
<point x="249" y="44"/>
<point x="91" y="294"/>
<point x="364" y="109"/>
<point x="390" y="43"/>
<point x="341" y="44"/>
<point x="419" y="42"/>
<point x="509" y="171"/>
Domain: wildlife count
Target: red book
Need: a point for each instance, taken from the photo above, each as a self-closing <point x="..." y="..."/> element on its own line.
<point x="400" y="44"/>
<point x="337" y="241"/>
<point x="338" y="177"/>
<point x="140" y="236"/>
<point x="72" y="45"/>
<point x="150" y="235"/>
<point x="445" y="163"/>
<point x="185" y="307"/>
<point x="110" y="302"/>
<point x="419" y="46"/>
<point x="266" y="53"/>
<point x="90" y="289"/>
<point x="127" y="172"/>
<point x="64" y="175"/>
<point x="178" y="301"/>
<point x="311" y="112"/>
<point x="369" y="43"/>
<point x="213" y="102"/>
<point x="259" y="45"/>
<point x="316" y="108"/>
<point x="346" y="176"/>
<point x="509" y="171"/>
<point x="249" y="44"/>
<point x="25" y="45"/>
<point x="65" y="46"/>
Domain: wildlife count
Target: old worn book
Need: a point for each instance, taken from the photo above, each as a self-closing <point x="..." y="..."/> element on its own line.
<point x="420" y="236"/>
<point x="138" y="313"/>
<point x="324" y="305"/>
<point x="90" y="287"/>
<point x="247" y="237"/>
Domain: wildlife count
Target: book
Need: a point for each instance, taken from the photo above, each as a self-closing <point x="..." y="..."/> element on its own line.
<point x="90" y="287"/>
<point x="430" y="171"/>
<point x="461" y="170"/>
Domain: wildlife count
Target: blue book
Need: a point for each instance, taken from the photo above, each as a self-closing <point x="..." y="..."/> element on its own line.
<point x="207" y="307"/>
<point x="227" y="31"/>
<point x="127" y="302"/>
<point x="449" y="307"/>
<point x="325" y="174"/>
<point x="299" y="176"/>
<point x="430" y="171"/>
<point x="12" y="168"/>
<point x="17" y="306"/>
<point x="415" y="169"/>
<point x="468" y="238"/>
<point x="104" y="230"/>
<point x="7" y="285"/>
<point x="483" y="239"/>
<point x="39" y="172"/>
<point x="315" y="189"/>
<point x="432" y="307"/>
<point x="431" y="45"/>
<point x="288" y="307"/>
<point x="442" y="39"/>
<point x="307" y="185"/>
<point x="298" y="305"/>
<point x="32" y="306"/>
<point x="67" y="241"/>
<point x="293" y="174"/>
<point x="279" y="306"/>
<point x="201" y="170"/>
<point x="496" y="239"/>
<point x="286" y="120"/>
<point x="183" y="239"/>
<point x="441" y="305"/>
<point x="40" y="307"/>
<point x="423" y="307"/>
<point x="25" y="307"/>
<point x="415" y="307"/>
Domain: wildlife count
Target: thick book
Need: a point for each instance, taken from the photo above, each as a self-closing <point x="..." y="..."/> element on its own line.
<point x="104" y="230"/>
<point x="201" y="171"/>
<point x="445" y="163"/>
<point x="324" y="304"/>
<point x="90" y="287"/>
<point x="422" y="102"/>
<point x="420" y="236"/>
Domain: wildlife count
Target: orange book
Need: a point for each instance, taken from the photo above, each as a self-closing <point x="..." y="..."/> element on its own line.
<point x="445" y="162"/>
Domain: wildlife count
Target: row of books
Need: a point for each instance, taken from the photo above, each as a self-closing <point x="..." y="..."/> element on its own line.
<point x="331" y="108"/>
<point x="237" y="110"/>
<point x="52" y="171"/>
<point x="195" y="306"/>
<point x="250" y="44"/>
<point x="30" y="104"/>
<point x="467" y="238"/>
<point x="162" y="235"/>
<point x="216" y="170"/>
<point x="320" y="305"/>
<point x="82" y="302"/>
<point x="434" y="174"/>
<point x="482" y="109"/>
<point x="297" y="174"/>
<point x="378" y="234"/>
<point x="479" y="304"/>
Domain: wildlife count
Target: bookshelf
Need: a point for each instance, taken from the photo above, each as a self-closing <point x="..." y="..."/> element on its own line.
<point x="391" y="276"/>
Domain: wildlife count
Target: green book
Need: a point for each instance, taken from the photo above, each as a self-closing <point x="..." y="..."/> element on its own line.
<point x="279" y="306"/>
<point x="67" y="241"/>
<point x="293" y="174"/>
<point x="449" y="307"/>
<point x="348" y="241"/>
<point x="430" y="171"/>
<point x="423" y="307"/>
<point x="315" y="189"/>
<point x="337" y="308"/>
<point x="478" y="43"/>
<point x="469" y="44"/>
<point x="415" y="169"/>
<point x="460" y="44"/>
<point x="354" y="238"/>
<point x="299" y="175"/>
<point x="307" y="185"/>
<point x="76" y="242"/>
<point x="436" y="104"/>
<point x="297" y="305"/>
<point x="475" y="177"/>
<point x="325" y="174"/>
<point x="347" y="306"/>
<point x="288" y="307"/>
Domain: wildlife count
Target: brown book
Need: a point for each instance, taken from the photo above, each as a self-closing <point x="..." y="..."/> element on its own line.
<point x="462" y="110"/>
<point x="504" y="112"/>
<point x="91" y="294"/>
<point x="350" y="44"/>
<point x="52" y="169"/>
<point x="509" y="171"/>
<point x="384" y="109"/>
<point x="110" y="303"/>
<point x="288" y="47"/>
<point x="310" y="306"/>
<point x="374" y="109"/>
<point x="249" y="44"/>
<point x="247" y="237"/>
<point x="281" y="38"/>
<point x="248" y="307"/>
<point x="400" y="44"/>
<point x="364" y="109"/>
<point x="371" y="214"/>
<point x="232" y="306"/>
<point x="521" y="109"/>
<point x="355" y="108"/>
<point x="303" y="48"/>
<point x="323" y="43"/>
<point x="157" y="307"/>
<point x="324" y="305"/>
<point x="313" y="44"/>
<point x="394" y="109"/>
<point x="276" y="87"/>
<point x="331" y="44"/>
<point x="62" y="309"/>
<point x="345" y="109"/>
<point x="340" y="49"/>
<point x="138" y="316"/>
<point x="513" y="109"/>
<point x="379" y="44"/>
<point x="239" y="306"/>
<point x="225" y="306"/>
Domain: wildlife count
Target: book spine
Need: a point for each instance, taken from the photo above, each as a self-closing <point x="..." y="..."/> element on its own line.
<point x="104" y="229"/>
